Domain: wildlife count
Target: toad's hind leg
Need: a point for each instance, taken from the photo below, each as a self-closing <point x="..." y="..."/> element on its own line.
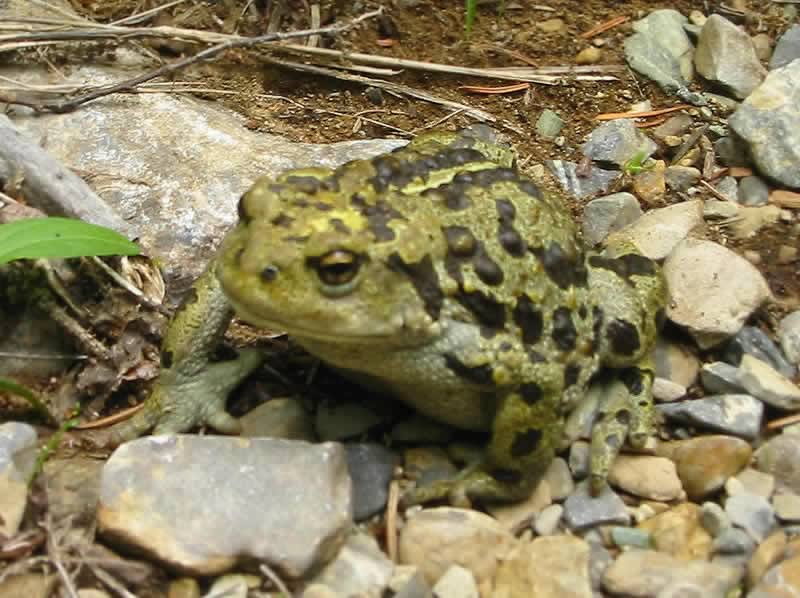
<point x="625" y="411"/>
<point x="525" y="434"/>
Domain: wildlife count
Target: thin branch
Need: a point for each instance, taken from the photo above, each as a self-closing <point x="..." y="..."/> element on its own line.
<point x="238" y="42"/>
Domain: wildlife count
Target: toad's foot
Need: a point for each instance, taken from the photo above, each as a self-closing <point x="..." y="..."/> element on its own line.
<point x="625" y="412"/>
<point x="181" y="401"/>
<point x="474" y="483"/>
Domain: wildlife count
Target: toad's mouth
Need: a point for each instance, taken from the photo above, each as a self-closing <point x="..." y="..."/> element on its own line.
<point x="397" y="335"/>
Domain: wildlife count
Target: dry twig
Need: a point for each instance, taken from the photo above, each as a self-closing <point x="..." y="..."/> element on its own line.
<point x="233" y="42"/>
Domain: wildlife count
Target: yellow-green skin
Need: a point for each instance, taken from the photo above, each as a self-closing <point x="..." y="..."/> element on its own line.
<point x="441" y="275"/>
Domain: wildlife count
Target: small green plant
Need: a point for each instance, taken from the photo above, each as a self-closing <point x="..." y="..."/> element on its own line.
<point x="636" y="164"/>
<point x="59" y="238"/>
<point x="472" y="13"/>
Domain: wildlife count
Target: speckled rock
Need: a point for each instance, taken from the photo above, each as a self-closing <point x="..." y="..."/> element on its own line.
<point x="780" y="456"/>
<point x="359" y="569"/>
<point x="763" y="382"/>
<point x="658" y="232"/>
<point x="517" y="516"/>
<point x="735" y="414"/>
<point x="457" y="582"/>
<point x="604" y="215"/>
<point x="618" y="141"/>
<point x="768" y="553"/>
<point x="549" y="567"/>
<point x="789" y="336"/>
<point x="752" y="513"/>
<point x="706" y="462"/>
<point x="649" y="477"/>
<point x="712" y="290"/>
<point x="582" y="510"/>
<point x="435" y="539"/>
<point x="144" y="501"/>
<point x="725" y="55"/>
<point x="648" y="574"/>
<point x="679" y="532"/>
<point x="767" y="121"/>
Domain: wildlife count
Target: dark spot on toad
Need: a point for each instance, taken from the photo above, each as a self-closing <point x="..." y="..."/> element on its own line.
<point x="506" y="476"/>
<point x="571" y="374"/>
<point x="564" y="268"/>
<point x="486" y="268"/>
<point x="530" y="392"/>
<point x="632" y="379"/>
<point x="486" y="309"/>
<point x="564" y="334"/>
<point x="269" y="273"/>
<point x="525" y="442"/>
<point x="460" y="240"/>
<point x="425" y="280"/>
<point x="481" y="374"/>
<point x="529" y="319"/>
<point x="623" y="337"/>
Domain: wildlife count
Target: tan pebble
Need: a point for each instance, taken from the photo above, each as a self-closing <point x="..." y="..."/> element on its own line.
<point x="590" y="55"/>
<point x="769" y="552"/>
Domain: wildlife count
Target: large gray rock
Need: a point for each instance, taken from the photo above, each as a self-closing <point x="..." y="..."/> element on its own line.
<point x="787" y="49"/>
<point x="725" y="55"/>
<point x="769" y="121"/>
<point x="665" y="26"/>
<point x="173" y="165"/>
<point x="204" y="503"/>
<point x="712" y="290"/>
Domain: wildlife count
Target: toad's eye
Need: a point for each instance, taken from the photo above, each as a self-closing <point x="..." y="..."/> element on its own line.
<point x="337" y="270"/>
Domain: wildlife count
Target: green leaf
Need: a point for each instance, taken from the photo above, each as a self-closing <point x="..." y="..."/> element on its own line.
<point x="60" y="238"/>
<point x="23" y="391"/>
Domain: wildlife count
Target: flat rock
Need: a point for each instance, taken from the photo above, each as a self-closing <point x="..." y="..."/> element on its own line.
<point x="753" y="513"/>
<point x="787" y="48"/>
<point x="647" y="574"/>
<point x="285" y="418"/>
<point x="735" y="414"/>
<point x="768" y="121"/>
<point x="617" y="142"/>
<point x="787" y="507"/>
<point x="582" y="510"/>
<point x="604" y="215"/>
<point x="649" y="477"/>
<point x="780" y="457"/>
<point x="287" y="503"/>
<point x="781" y="581"/>
<point x="360" y="568"/>
<point x="725" y="55"/>
<point x="751" y="340"/>
<point x="679" y="531"/>
<point x="647" y="56"/>
<point x="457" y="582"/>
<point x="549" y="567"/>
<point x="712" y="290"/>
<point x="665" y="26"/>
<point x="763" y="382"/>
<point x="178" y="172"/>
<point x="371" y="469"/>
<point x="658" y="232"/>
<point x="789" y="336"/>
<point x="705" y="463"/>
<point x="597" y="181"/>
<point x="435" y="539"/>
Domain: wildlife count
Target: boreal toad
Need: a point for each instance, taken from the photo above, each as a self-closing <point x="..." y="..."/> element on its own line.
<point x="442" y="275"/>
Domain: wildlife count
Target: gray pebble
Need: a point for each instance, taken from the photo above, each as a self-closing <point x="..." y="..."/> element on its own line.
<point x="752" y="513"/>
